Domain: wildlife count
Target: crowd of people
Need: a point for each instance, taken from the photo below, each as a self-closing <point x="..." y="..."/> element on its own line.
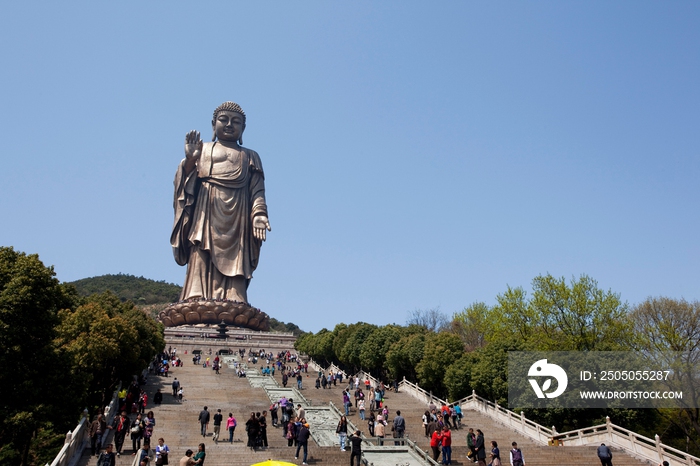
<point x="134" y="421"/>
<point x="368" y="401"/>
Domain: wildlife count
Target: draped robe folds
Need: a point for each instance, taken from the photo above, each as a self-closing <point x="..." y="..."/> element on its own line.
<point x="213" y="229"/>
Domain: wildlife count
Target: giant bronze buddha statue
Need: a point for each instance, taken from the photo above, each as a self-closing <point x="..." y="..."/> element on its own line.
<point x="220" y="223"/>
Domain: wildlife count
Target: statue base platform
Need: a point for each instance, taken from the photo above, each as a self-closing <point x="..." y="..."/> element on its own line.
<point x="208" y="311"/>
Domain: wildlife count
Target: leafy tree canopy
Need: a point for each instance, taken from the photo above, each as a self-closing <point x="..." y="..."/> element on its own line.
<point x="138" y="290"/>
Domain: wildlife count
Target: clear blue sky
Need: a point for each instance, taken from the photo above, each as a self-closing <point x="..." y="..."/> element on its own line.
<point x="417" y="154"/>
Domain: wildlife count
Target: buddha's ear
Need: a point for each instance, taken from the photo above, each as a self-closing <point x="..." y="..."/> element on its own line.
<point x="213" y="130"/>
<point x="240" y="139"/>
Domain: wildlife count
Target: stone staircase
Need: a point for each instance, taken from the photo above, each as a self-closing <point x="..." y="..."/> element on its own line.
<point x="177" y="423"/>
<point x="412" y="410"/>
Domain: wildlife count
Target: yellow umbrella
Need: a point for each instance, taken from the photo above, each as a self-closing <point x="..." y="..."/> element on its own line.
<point x="273" y="463"/>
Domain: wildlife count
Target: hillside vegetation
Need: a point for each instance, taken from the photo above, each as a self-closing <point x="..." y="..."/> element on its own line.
<point x="149" y="295"/>
<point x="138" y="290"/>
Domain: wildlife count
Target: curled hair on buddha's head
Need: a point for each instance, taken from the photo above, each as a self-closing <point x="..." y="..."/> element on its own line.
<point x="229" y="106"/>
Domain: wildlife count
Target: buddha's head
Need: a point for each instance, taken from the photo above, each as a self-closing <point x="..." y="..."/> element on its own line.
<point x="228" y="123"/>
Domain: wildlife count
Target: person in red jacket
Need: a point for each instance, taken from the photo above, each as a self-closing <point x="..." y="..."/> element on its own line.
<point x="435" y="443"/>
<point x="446" y="439"/>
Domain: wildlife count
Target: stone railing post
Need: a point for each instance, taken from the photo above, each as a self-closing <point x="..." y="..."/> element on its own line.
<point x="522" y="421"/>
<point x="659" y="450"/>
<point x="608" y="426"/>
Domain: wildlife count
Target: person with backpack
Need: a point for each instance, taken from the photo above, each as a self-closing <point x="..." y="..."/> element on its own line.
<point x="458" y="412"/>
<point x="605" y="455"/>
<point x="453" y="414"/>
<point x="516" y="456"/>
<point x="445" y="411"/>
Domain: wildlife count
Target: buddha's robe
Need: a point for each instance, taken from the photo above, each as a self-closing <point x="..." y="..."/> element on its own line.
<point x="213" y="231"/>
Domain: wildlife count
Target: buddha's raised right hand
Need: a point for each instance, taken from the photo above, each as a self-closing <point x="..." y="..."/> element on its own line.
<point x="193" y="145"/>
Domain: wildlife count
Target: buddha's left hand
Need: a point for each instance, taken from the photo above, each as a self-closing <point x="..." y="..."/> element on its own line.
<point x="260" y="224"/>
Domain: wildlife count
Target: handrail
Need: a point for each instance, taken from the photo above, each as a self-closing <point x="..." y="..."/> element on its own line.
<point x="637" y="444"/>
<point x="423" y="454"/>
<point x="428" y="397"/>
<point x="340" y="413"/>
<point x="364" y="375"/>
<point x="231" y="329"/>
<point x="77" y="439"/>
<point x="632" y="443"/>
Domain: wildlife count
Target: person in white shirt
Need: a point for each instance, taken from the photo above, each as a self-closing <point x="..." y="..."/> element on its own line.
<point x="516" y="456"/>
<point x="162" y="452"/>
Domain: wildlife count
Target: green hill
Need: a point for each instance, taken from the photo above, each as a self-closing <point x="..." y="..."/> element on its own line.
<point x="149" y="295"/>
<point x="138" y="290"/>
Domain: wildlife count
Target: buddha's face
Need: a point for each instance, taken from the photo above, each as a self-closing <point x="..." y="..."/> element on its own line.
<point x="228" y="126"/>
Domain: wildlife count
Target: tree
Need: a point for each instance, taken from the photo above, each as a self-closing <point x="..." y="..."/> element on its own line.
<point x="666" y="325"/>
<point x="374" y="348"/>
<point x="489" y="372"/>
<point x="404" y="355"/>
<point x="341" y="333"/>
<point x="30" y="300"/>
<point x="441" y="350"/>
<point x="575" y="317"/>
<point x="351" y="350"/>
<point x="458" y="376"/>
<point x="108" y="341"/>
<point x="432" y="320"/>
<point x="318" y="346"/>
<point x="476" y="325"/>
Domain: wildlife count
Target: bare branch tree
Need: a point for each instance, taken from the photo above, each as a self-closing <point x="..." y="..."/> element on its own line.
<point x="432" y="319"/>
